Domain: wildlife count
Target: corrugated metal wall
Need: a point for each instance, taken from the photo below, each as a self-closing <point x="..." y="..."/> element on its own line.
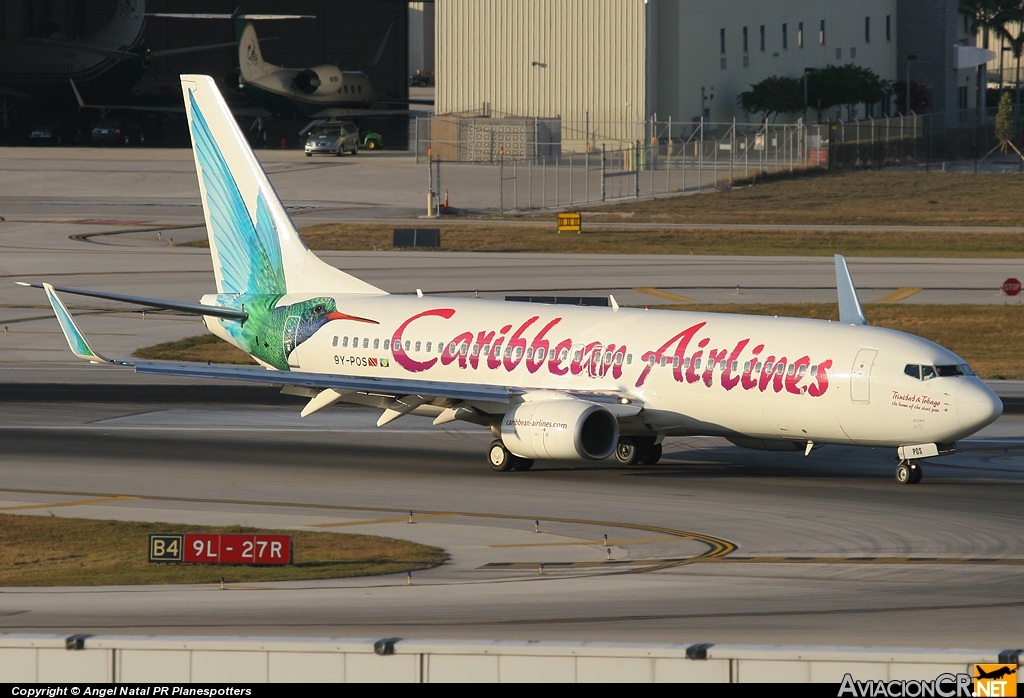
<point x="543" y="58"/>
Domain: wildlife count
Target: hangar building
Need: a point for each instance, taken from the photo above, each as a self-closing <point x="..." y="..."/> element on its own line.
<point x="630" y="60"/>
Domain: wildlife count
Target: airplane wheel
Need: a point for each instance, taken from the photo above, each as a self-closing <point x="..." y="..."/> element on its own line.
<point x="905" y="473"/>
<point x="917" y="473"/>
<point x="651" y="454"/>
<point x="627" y="452"/>
<point x="499" y="457"/>
<point x="522" y="463"/>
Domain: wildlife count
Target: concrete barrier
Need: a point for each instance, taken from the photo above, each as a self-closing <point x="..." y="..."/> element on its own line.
<point x="107" y="658"/>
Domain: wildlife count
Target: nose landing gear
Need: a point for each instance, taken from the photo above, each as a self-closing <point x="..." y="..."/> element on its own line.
<point x="909" y="472"/>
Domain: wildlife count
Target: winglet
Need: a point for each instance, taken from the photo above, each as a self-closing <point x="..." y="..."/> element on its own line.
<point x="76" y="340"/>
<point x="850" y="312"/>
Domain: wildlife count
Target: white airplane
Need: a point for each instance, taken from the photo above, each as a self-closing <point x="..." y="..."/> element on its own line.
<point x="549" y="381"/>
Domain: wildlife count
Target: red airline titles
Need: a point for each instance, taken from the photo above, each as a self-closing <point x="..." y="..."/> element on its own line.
<point x="508" y="352"/>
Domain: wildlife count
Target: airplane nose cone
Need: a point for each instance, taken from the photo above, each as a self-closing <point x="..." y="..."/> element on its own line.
<point x="976" y="405"/>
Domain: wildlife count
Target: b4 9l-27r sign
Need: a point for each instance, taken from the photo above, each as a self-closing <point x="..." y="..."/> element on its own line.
<point x="218" y="548"/>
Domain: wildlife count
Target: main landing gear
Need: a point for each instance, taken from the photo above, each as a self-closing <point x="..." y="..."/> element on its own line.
<point x="502" y="460"/>
<point x="637" y="449"/>
<point x="909" y="472"/>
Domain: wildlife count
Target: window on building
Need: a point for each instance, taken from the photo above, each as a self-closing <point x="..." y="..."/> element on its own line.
<point x="853" y="53"/>
<point x="867" y="30"/>
<point x="961" y="97"/>
<point x="821" y="34"/>
<point x="762" y="37"/>
<point x="839" y="54"/>
<point x="721" y="41"/>
<point x="744" y="39"/>
<point x="785" y="38"/>
<point x="800" y="35"/>
<point x="888" y="27"/>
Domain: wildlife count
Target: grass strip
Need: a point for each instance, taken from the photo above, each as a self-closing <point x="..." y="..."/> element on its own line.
<point x="201" y="348"/>
<point x="50" y="551"/>
<point x="510" y="238"/>
<point x="989" y="337"/>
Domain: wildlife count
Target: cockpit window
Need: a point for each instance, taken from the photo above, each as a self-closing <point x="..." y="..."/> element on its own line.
<point x="925" y="373"/>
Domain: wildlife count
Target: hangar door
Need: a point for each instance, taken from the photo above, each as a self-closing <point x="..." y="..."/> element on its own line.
<point x="860" y="376"/>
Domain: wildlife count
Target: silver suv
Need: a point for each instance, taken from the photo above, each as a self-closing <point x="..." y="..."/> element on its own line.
<point x="336" y="139"/>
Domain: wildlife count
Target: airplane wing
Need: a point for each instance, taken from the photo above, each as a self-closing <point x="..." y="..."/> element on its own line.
<point x="407" y="393"/>
<point x="108" y="52"/>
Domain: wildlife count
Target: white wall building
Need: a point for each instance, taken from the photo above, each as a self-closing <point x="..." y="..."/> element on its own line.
<point x="623" y="60"/>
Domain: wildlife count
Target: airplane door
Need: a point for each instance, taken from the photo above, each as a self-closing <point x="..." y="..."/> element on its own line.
<point x="860" y="376"/>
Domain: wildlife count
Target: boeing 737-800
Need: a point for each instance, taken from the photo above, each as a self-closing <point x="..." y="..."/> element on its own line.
<point x="549" y="381"/>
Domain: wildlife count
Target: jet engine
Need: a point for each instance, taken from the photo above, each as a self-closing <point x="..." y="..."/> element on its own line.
<point x="561" y="429"/>
<point x="321" y="80"/>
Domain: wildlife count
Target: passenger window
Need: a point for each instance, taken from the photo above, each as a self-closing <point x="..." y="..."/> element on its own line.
<point x="366" y="342"/>
<point x="675" y="362"/>
<point x="725" y="365"/>
<point x="476" y="350"/>
<point x="529" y="353"/>
<point x="768" y="367"/>
<point x="757" y="367"/>
<point x="696" y="364"/>
<point x="407" y="342"/>
<point x="781" y="368"/>
<point x="360" y="88"/>
<point x="791" y="370"/>
<point x="541" y="354"/>
<point x="629" y="359"/>
<point x="486" y="350"/>
<point x="376" y="344"/>
<point x="565" y="355"/>
<point x="417" y="346"/>
<point x="803" y="371"/>
<point x="429" y="344"/>
<point x="519" y="352"/>
<point x="927" y="373"/>
<point x="344" y="341"/>
<point x="735" y="365"/>
<point x="508" y="352"/>
<point x="814" y="370"/>
<point x="346" y="89"/>
<point x="335" y="342"/>
<point x="608" y="358"/>
<point x="618" y="359"/>
<point x="664" y="360"/>
<point x="650" y="361"/>
<point x="746" y="367"/>
<point x="576" y="357"/>
<point x="355" y="342"/>
<point x="387" y="343"/>
<point x="686" y="362"/>
<point x="913" y="370"/>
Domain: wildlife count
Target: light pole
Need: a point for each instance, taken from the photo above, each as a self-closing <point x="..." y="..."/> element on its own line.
<point x="911" y="57"/>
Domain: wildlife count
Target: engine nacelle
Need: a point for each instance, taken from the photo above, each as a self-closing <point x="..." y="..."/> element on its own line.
<point x="561" y="429"/>
<point x="321" y="80"/>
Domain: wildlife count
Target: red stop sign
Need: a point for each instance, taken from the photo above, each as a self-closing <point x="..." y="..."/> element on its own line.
<point x="1011" y="287"/>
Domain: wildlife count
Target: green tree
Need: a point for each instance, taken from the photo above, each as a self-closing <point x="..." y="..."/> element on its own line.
<point x="773" y="96"/>
<point x="845" y="85"/>
<point x="1006" y="125"/>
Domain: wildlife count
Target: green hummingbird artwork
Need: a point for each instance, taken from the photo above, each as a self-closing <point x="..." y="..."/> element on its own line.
<point x="271" y="332"/>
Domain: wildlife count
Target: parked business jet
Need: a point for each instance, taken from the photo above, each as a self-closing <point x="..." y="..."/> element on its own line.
<point x="549" y="381"/>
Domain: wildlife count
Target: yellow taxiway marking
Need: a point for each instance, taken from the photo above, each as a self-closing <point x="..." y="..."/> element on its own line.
<point x="78" y="502"/>
<point x="583" y="542"/>
<point x="670" y="562"/>
<point x="898" y="295"/>
<point x="397" y="519"/>
<point x="658" y="293"/>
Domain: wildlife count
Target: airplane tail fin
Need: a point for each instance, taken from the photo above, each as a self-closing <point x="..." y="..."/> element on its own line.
<point x="250" y="58"/>
<point x="125" y="29"/>
<point x="255" y="246"/>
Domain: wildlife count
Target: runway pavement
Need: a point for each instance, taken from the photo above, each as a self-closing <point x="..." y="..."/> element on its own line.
<point x="703" y="545"/>
<point x="716" y="544"/>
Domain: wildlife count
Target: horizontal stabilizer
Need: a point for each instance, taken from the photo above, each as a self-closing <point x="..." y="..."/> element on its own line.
<point x="850" y="312"/>
<point x="190" y="308"/>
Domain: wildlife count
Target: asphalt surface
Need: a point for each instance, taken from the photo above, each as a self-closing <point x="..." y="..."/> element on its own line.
<point x="699" y="542"/>
<point x="715" y="544"/>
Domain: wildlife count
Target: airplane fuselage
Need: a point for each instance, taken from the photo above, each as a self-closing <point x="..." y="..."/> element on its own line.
<point x="743" y="377"/>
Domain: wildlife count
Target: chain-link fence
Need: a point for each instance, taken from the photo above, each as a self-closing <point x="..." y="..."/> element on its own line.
<point x="549" y="163"/>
